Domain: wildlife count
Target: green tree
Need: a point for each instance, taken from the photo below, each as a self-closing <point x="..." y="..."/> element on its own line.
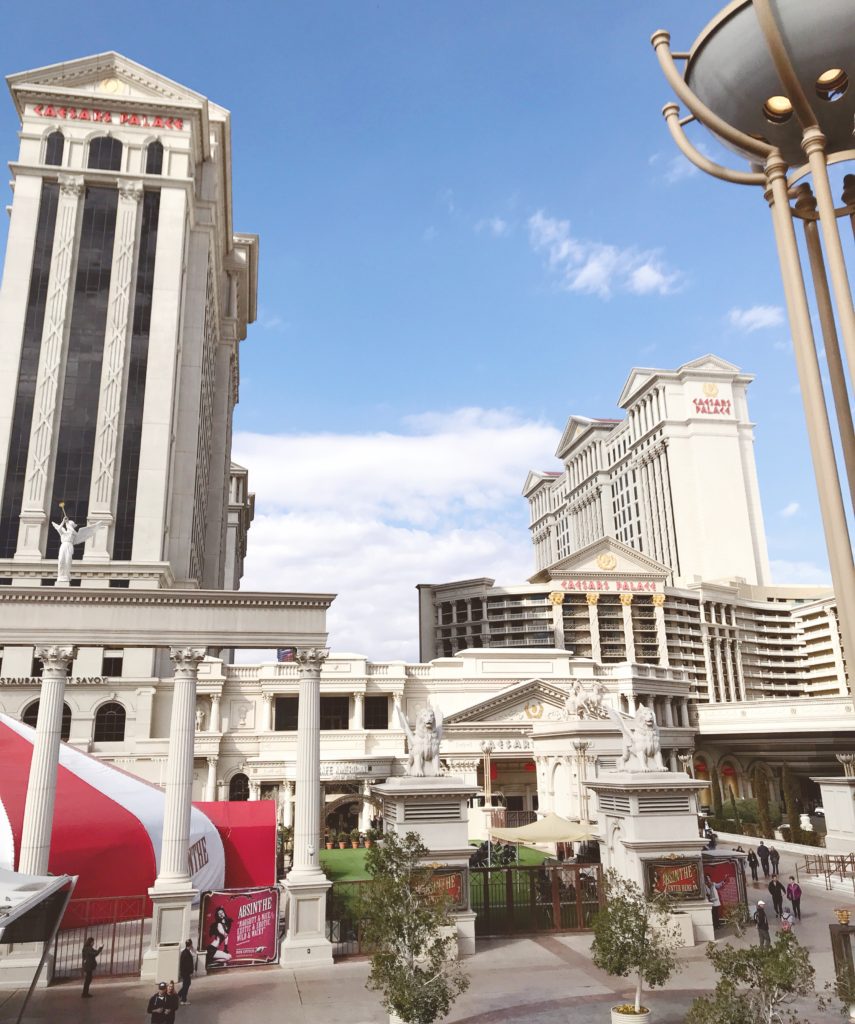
<point x="737" y="819"/>
<point x="757" y="986"/>
<point x="405" y="922"/>
<point x="788" y="784"/>
<point x="633" y="935"/>
<point x="761" y="793"/>
<point x="715" y="789"/>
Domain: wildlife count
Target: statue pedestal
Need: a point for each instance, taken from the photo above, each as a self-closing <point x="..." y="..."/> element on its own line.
<point x="171" y="911"/>
<point x="838" y="802"/>
<point x="648" y="826"/>
<point x="437" y="810"/>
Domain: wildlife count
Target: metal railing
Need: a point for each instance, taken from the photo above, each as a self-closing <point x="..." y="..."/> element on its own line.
<point x="831" y="867"/>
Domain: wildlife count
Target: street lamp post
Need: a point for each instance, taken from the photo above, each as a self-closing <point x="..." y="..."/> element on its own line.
<point x="771" y="80"/>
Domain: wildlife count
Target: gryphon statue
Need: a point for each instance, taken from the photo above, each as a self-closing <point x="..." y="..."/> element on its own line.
<point x="423" y="742"/>
<point x="641" y="750"/>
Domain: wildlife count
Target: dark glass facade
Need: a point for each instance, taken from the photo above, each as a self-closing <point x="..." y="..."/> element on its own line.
<point x="105" y="154"/>
<point x="76" y="441"/>
<point x="54" y="149"/>
<point x="154" y="158"/>
<point x="285" y="714"/>
<point x="132" y="434"/>
<point x="19" y="440"/>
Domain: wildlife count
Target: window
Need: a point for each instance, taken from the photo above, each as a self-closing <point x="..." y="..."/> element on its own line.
<point x="31" y="716"/>
<point x="239" y="787"/>
<point x="154" y="158"/>
<point x="335" y="712"/>
<point x="285" y="714"/>
<point x="110" y="723"/>
<point x="376" y="712"/>
<point x="105" y="154"/>
<point x="111" y="663"/>
<point x="36" y="668"/>
<point x="54" y="149"/>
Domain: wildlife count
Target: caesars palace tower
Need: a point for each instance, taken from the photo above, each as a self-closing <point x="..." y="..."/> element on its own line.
<point x="125" y="295"/>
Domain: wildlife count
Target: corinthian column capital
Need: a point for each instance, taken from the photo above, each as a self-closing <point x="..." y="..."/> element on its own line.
<point x="56" y="659"/>
<point x="312" y="658"/>
<point x="186" y="659"/>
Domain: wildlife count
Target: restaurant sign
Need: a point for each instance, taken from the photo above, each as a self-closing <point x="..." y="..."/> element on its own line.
<point x="678" y="877"/>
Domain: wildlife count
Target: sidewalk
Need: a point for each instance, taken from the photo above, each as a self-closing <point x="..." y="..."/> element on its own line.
<point x="544" y="979"/>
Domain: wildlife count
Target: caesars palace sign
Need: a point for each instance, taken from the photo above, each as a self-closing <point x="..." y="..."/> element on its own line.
<point x="108" y="116"/>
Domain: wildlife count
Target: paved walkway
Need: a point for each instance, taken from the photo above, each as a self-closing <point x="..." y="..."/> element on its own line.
<point x="540" y="980"/>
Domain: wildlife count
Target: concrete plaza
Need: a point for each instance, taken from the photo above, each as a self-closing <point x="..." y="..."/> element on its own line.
<point x="533" y="980"/>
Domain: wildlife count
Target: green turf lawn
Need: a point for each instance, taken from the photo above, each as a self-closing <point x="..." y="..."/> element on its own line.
<point x="349" y="865"/>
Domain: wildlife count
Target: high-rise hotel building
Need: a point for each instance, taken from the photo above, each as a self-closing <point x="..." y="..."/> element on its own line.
<point x="650" y="549"/>
<point x="126" y="293"/>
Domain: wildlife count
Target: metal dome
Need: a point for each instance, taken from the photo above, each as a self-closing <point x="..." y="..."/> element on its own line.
<point x="731" y="70"/>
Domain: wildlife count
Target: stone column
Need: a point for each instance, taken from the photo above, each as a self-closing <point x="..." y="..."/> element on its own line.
<point x="669" y="711"/>
<point x="593" y="618"/>
<point x="172" y="893"/>
<point x="266" y="712"/>
<point x="672" y="760"/>
<point x="358" y="723"/>
<point x="214" y="721"/>
<point x="628" y="636"/>
<point x="719" y="670"/>
<point x="661" y="635"/>
<point x="305" y="943"/>
<point x="287" y="804"/>
<point x="41" y="787"/>
<point x="47" y="403"/>
<point x="211" y="782"/>
<point x="365" y="807"/>
<point x="557" y="600"/>
<point x="104" y="487"/>
<point x="254" y="790"/>
<point x="740" y="675"/>
<point x="707" y="640"/>
<point x="726" y="644"/>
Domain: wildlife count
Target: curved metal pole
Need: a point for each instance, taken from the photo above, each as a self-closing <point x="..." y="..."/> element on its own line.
<point x="671" y="113"/>
<point x="783" y="64"/>
<point x="806" y="205"/>
<point x="816" y="414"/>
<point x="660" y="41"/>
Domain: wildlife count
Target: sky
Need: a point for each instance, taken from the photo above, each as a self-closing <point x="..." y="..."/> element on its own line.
<point x="473" y="224"/>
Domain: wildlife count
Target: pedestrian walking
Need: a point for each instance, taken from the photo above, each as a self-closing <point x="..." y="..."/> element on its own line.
<point x="774" y="858"/>
<point x="186" y="969"/>
<point x="157" y="1005"/>
<point x="787" y="920"/>
<point x="762" y="923"/>
<point x="763" y="854"/>
<point x="777" y="892"/>
<point x="794" y="895"/>
<point x="90" y="964"/>
<point x="752" y="863"/>
<point x="172" y="1003"/>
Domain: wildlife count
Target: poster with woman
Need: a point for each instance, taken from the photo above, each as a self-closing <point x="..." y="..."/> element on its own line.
<point x="239" y="927"/>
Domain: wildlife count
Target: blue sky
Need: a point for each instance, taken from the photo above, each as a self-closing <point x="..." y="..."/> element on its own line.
<point x="473" y="223"/>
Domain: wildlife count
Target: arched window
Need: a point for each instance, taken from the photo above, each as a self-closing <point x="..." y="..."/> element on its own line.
<point x="239" y="787"/>
<point x="105" y="154"/>
<point x="31" y="716"/>
<point x="110" y="723"/>
<point x="154" y="158"/>
<point x="54" y="149"/>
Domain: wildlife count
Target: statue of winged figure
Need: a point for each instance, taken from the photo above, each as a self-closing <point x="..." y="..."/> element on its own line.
<point x="423" y="742"/>
<point x="69" y="535"/>
<point x="641" y="749"/>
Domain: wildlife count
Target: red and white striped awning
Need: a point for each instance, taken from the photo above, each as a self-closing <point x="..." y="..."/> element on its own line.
<point x="107" y="824"/>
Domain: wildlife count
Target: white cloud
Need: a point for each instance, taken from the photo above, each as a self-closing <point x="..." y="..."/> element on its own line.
<point x="370" y="516"/>
<point x="494" y="225"/>
<point x="595" y="267"/>
<point x="799" y="573"/>
<point x="788" y="511"/>
<point x="757" y="318"/>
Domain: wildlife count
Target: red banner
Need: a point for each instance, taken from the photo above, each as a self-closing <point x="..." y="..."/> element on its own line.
<point x="239" y="928"/>
<point x="724" y="872"/>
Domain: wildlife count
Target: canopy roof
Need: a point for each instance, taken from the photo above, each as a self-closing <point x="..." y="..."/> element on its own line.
<point x="550" y="829"/>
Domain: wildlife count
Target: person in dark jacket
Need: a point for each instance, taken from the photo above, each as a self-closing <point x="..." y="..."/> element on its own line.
<point x="762" y="923"/>
<point x="157" y="1005"/>
<point x="186" y="969"/>
<point x="172" y="1003"/>
<point x="777" y="892"/>
<point x="90" y="964"/>
<point x="763" y="854"/>
<point x="794" y="895"/>
<point x="774" y="858"/>
<point x="752" y="863"/>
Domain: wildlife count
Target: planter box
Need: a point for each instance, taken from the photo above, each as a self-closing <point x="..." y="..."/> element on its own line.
<point x="630" y="1018"/>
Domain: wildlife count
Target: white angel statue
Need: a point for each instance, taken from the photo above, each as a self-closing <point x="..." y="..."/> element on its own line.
<point x="641" y="749"/>
<point x="69" y="535"/>
<point x="423" y="742"/>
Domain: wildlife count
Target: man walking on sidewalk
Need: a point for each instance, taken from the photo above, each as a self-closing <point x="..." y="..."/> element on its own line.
<point x="763" y="854"/>
<point x="186" y="969"/>
<point x="794" y="895"/>
<point x="762" y="923"/>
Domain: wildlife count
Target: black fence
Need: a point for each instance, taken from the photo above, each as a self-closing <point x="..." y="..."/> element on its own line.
<point x="525" y="900"/>
<point x="117" y="925"/>
<point x="343" y="926"/>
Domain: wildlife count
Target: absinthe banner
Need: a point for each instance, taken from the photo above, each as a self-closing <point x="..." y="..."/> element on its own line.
<point x="239" y="927"/>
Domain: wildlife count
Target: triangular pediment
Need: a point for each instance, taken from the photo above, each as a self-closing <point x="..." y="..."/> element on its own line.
<point x="638" y="377"/>
<point x="106" y="76"/>
<point x="531" y="700"/>
<point x="710" y="362"/>
<point x="577" y="427"/>
<point x="606" y="558"/>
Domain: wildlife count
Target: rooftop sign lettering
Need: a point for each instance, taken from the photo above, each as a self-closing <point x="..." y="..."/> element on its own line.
<point x="712" y="406"/>
<point x="612" y="586"/>
<point x="108" y="117"/>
